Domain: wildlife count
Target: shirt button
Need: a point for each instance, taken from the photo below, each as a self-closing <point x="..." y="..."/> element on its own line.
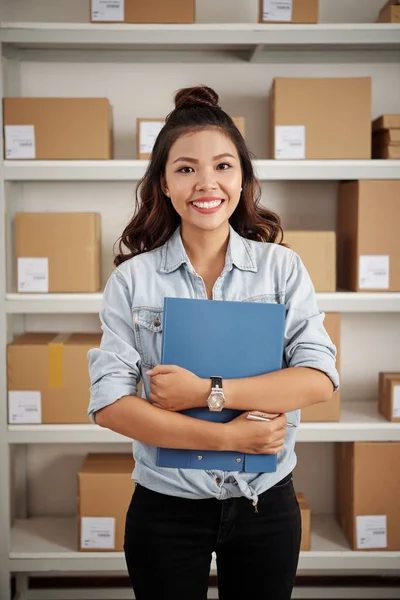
<point x="218" y="480"/>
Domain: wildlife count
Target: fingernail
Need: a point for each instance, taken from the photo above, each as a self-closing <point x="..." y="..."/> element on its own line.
<point x="149" y="372"/>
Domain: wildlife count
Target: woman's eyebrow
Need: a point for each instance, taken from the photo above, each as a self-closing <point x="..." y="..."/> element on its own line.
<point x="194" y="160"/>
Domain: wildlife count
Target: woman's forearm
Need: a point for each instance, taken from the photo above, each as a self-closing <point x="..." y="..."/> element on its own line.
<point x="279" y="392"/>
<point x="136" y="418"/>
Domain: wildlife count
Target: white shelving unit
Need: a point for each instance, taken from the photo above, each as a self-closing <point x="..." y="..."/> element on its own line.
<point x="48" y="544"/>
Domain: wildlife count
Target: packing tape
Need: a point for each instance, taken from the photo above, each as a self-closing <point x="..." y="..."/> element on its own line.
<point x="56" y="361"/>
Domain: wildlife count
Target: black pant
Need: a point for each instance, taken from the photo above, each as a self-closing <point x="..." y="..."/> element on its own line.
<point x="169" y="541"/>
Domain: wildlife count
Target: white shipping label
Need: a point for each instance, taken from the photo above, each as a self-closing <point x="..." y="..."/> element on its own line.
<point x="98" y="532"/>
<point x="290" y="141"/>
<point x="24" y="407"/>
<point x="396" y="402"/>
<point x="148" y="133"/>
<point x="108" y="10"/>
<point x="20" y="141"/>
<point x="33" y="275"/>
<point x="371" y="531"/>
<point x="277" y="10"/>
<point x="374" y="272"/>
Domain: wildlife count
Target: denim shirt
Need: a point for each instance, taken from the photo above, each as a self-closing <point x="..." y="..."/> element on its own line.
<point x="132" y="317"/>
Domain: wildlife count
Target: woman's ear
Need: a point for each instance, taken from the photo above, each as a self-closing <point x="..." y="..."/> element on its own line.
<point x="164" y="186"/>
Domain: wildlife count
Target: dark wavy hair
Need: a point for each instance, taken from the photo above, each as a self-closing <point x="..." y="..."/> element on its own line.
<point x="155" y="219"/>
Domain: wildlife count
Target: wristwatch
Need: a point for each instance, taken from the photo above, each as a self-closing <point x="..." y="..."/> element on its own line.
<point x="216" y="399"/>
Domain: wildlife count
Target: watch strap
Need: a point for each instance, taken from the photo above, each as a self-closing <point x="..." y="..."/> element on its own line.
<point x="216" y="382"/>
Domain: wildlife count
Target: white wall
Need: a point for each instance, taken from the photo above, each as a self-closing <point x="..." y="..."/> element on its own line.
<point x="369" y="342"/>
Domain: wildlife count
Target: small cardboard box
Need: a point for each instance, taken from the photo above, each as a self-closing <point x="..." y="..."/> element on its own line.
<point x="367" y="494"/>
<point x="389" y="396"/>
<point x="240" y="124"/>
<point x="317" y="250"/>
<point x="327" y="411"/>
<point x="58" y="128"/>
<point x="48" y="380"/>
<point x="147" y="132"/>
<point x="58" y="252"/>
<point x="142" y="11"/>
<point x="105" y="489"/>
<point x="391" y="152"/>
<point x="305" y="522"/>
<point x="386" y="122"/>
<point x="368" y="243"/>
<point x="288" y="11"/>
<point x="320" y="118"/>
<point x="390" y="13"/>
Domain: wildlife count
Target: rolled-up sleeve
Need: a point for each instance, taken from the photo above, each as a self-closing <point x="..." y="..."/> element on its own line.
<point x="114" y="367"/>
<point x="307" y="344"/>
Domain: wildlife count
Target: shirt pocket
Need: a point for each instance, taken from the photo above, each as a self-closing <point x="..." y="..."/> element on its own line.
<point x="148" y="323"/>
<point x="266" y="298"/>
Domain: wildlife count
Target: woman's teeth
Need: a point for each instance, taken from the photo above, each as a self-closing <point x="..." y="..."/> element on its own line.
<point x="212" y="204"/>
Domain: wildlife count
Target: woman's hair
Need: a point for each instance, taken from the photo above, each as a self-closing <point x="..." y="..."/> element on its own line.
<point x="155" y="219"/>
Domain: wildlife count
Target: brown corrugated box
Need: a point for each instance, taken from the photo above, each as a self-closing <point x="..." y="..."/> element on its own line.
<point x="390" y="13"/>
<point x="389" y="394"/>
<point x="386" y="122"/>
<point x="56" y="366"/>
<point x="303" y="11"/>
<point x="327" y="411"/>
<point x="105" y="489"/>
<point x="305" y="522"/>
<point x="317" y="250"/>
<point x="367" y="484"/>
<point x="70" y="242"/>
<point x="367" y="226"/>
<point x="391" y="152"/>
<point x="141" y="153"/>
<point x="65" y="128"/>
<point x="336" y="114"/>
<point x="154" y="11"/>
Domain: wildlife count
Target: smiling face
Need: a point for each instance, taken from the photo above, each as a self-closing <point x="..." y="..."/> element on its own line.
<point x="203" y="179"/>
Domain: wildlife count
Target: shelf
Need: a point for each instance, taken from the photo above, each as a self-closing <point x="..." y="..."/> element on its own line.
<point x="243" y="41"/>
<point x="266" y="170"/>
<point x="360" y="421"/>
<point x="49" y="544"/>
<point x="345" y="302"/>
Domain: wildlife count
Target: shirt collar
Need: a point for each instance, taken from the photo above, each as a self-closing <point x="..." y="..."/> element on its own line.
<point x="239" y="253"/>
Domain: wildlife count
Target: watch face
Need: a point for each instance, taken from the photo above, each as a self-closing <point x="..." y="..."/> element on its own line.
<point x="216" y="401"/>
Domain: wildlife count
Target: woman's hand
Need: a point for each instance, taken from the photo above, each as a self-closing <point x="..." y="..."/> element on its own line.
<point x="256" y="437"/>
<point x="174" y="388"/>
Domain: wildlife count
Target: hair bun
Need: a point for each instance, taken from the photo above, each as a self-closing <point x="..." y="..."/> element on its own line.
<point x="196" y="96"/>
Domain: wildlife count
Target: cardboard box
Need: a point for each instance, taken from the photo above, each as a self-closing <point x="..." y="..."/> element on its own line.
<point x="147" y="132"/>
<point x="367" y="236"/>
<point x="58" y="252"/>
<point x="48" y="380"/>
<point x="58" y="128"/>
<point x="288" y="11"/>
<point x="391" y="152"/>
<point x="317" y="250"/>
<point x="385" y="137"/>
<point x="320" y="118"/>
<point x="105" y="490"/>
<point x="327" y="411"/>
<point x="386" y="122"/>
<point x="389" y="396"/>
<point x="240" y="124"/>
<point x="142" y="11"/>
<point x="305" y="522"/>
<point x="390" y="13"/>
<point x="367" y="494"/>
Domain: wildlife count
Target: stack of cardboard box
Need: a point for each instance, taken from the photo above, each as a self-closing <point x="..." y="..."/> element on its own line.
<point x="386" y="136"/>
<point x="390" y="12"/>
<point x="389" y="395"/>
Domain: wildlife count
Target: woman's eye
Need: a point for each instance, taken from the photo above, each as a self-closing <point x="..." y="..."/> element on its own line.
<point x="223" y="166"/>
<point x="185" y="170"/>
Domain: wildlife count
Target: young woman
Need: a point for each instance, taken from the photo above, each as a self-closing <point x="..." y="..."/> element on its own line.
<point x="200" y="232"/>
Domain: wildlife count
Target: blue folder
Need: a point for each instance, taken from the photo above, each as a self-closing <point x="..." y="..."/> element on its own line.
<point x="226" y="339"/>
